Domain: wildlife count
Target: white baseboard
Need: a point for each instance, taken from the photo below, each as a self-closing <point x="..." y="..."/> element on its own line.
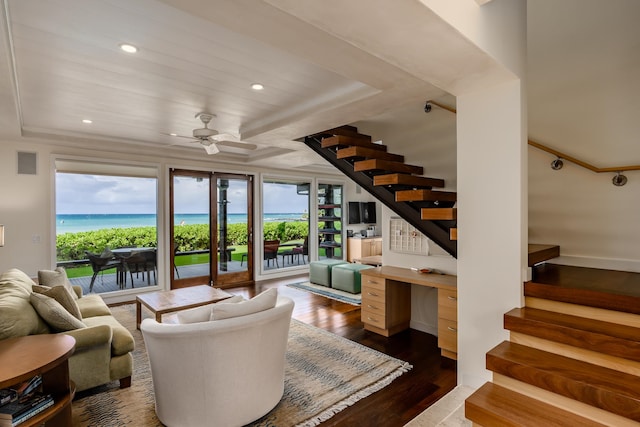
<point x="593" y="262"/>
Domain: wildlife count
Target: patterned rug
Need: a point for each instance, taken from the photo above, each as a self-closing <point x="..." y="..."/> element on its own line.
<point x="324" y="374"/>
<point x="336" y="294"/>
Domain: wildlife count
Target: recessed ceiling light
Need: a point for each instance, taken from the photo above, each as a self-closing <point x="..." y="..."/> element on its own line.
<point x="87" y="121"/>
<point x="173" y="134"/>
<point x="257" y="86"/>
<point x="129" y="48"/>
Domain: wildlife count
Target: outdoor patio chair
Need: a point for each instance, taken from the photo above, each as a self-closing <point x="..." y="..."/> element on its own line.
<point x="100" y="263"/>
<point x="141" y="262"/>
<point x="271" y="251"/>
<point x="302" y="251"/>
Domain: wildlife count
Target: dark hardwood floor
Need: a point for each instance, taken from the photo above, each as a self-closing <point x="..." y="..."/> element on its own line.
<point x="432" y="375"/>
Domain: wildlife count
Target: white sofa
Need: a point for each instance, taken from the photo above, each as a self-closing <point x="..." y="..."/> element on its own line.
<point x="220" y="373"/>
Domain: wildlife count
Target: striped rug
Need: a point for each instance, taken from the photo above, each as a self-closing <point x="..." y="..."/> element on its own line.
<point x="324" y="374"/>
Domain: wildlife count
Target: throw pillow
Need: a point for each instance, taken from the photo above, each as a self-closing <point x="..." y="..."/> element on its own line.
<point x="63" y="296"/>
<point x="203" y="314"/>
<point x="261" y="302"/>
<point x="54" y="314"/>
<point x="57" y="277"/>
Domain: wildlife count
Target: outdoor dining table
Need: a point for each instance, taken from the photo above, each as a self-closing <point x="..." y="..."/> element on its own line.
<point x="122" y="254"/>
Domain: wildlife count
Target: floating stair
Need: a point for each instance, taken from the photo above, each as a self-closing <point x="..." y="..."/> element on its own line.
<point x="386" y="165"/>
<point x="384" y="175"/>
<point x="434" y="214"/>
<point x="367" y="153"/>
<point x="407" y="180"/>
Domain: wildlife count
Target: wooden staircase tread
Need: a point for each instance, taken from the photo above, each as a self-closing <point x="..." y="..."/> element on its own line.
<point x="425" y="196"/>
<point x="346" y="130"/>
<point x="386" y="165"/>
<point x="369" y="153"/>
<point x="341" y="140"/>
<point x="596" y="335"/>
<point x="609" y="299"/>
<point x="594" y="385"/>
<point x="408" y="180"/>
<point x="493" y="405"/>
<point x="438" y="214"/>
<point x="453" y="234"/>
<point x="538" y="253"/>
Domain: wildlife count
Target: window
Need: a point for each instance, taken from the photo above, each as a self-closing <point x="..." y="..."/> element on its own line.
<point x="106" y="225"/>
<point x="285" y="223"/>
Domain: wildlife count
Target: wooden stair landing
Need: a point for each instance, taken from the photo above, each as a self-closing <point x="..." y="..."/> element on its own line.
<point x="592" y="287"/>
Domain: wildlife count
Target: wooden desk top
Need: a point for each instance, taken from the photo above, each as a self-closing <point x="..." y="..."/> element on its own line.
<point x="407" y="275"/>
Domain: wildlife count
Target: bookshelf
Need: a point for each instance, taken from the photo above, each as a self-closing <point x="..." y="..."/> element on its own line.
<point x="46" y="355"/>
<point x="330" y="219"/>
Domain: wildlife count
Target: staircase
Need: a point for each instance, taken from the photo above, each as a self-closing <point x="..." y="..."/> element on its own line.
<point x="399" y="186"/>
<point x="572" y="360"/>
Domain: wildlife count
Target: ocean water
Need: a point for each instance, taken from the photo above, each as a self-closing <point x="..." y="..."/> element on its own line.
<point x="74" y="223"/>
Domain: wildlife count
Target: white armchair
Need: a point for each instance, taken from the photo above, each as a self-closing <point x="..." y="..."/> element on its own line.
<point x="226" y="372"/>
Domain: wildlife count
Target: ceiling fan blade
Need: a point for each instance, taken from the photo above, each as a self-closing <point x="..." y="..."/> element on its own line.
<point x="234" y="144"/>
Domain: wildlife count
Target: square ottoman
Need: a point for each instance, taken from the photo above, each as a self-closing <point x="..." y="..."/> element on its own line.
<point x="320" y="271"/>
<point x="346" y="277"/>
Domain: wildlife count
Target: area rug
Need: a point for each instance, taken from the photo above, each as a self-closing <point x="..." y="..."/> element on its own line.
<point x="324" y="374"/>
<point x="336" y="294"/>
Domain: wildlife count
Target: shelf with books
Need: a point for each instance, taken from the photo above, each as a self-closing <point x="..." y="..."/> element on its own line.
<point x="21" y="359"/>
<point x="330" y="219"/>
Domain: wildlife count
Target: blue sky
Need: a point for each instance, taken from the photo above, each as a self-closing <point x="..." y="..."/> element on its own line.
<point x="100" y="194"/>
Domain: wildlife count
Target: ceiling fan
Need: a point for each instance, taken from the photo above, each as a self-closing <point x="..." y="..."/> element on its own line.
<point x="210" y="139"/>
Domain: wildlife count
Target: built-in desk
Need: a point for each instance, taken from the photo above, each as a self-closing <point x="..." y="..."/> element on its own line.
<point x="386" y="303"/>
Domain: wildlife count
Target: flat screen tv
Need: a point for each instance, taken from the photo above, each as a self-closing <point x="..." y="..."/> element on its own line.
<point x="354" y="213"/>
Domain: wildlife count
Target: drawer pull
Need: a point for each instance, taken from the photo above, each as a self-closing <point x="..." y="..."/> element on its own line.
<point x="452" y="298"/>
<point x="452" y="329"/>
<point x="372" y="306"/>
<point x="373" y="294"/>
<point x="372" y="281"/>
<point x="372" y="320"/>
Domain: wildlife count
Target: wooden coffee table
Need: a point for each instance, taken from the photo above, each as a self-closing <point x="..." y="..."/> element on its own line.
<point x="163" y="302"/>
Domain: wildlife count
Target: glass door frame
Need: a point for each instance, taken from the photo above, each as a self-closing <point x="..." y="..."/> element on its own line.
<point x="215" y="278"/>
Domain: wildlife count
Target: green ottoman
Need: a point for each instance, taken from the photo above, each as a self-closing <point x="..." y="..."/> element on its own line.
<point x="347" y="277"/>
<point x="320" y="271"/>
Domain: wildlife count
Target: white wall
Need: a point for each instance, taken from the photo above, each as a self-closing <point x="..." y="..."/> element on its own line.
<point x="594" y="222"/>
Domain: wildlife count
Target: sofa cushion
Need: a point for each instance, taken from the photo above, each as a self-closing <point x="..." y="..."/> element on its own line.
<point x="261" y="302"/>
<point x="121" y="341"/>
<point x="63" y="296"/>
<point x="93" y="305"/>
<point x="18" y="318"/>
<point x="203" y="313"/>
<point x="56" y="316"/>
<point x="57" y="277"/>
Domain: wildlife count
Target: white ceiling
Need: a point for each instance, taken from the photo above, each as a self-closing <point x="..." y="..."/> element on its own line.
<point x="323" y="64"/>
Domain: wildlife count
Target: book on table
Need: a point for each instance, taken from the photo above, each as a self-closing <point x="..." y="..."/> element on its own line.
<point x="26" y="407"/>
<point x="7" y="395"/>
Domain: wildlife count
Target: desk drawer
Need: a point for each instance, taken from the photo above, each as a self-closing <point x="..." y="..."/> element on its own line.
<point x="448" y="335"/>
<point x="375" y="318"/>
<point x="373" y="292"/>
<point x="448" y="304"/>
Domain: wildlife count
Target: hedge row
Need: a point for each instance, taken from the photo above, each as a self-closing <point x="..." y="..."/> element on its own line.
<point x="72" y="246"/>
